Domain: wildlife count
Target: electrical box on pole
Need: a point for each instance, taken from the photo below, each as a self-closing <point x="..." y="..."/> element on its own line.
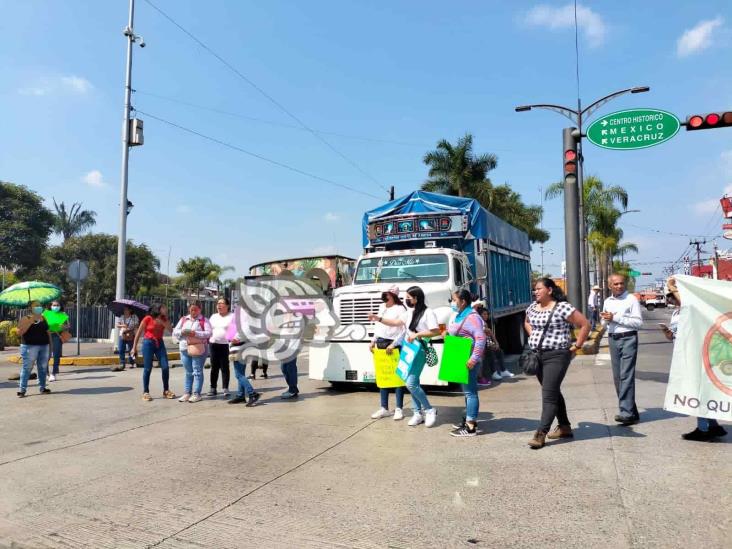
<point x="136" y="134"/>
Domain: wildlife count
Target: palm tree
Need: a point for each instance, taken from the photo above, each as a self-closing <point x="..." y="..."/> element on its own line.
<point x="72" y="222"/>
<point x="601" y="216"/>
<point x="455" y="170"/>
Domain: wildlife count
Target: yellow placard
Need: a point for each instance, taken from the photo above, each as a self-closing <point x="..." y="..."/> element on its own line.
<point x="385" y="367"/>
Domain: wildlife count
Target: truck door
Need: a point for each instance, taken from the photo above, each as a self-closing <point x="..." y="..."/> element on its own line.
<point x="458" y="274"/>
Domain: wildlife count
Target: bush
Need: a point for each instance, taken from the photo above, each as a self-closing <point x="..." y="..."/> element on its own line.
<point x="12" y="337"/>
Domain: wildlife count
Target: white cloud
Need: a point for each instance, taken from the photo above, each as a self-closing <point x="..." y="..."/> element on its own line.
<point x="710" y="206"/>
<point x="330" y="217"/>
<point x="183" y="209"/>
<point x="698" y="38"/>
<point x="94" y="179"/>
<point x="76" y="84"/>
<point x="555" y="18"/>
<point x="47" y="85"/>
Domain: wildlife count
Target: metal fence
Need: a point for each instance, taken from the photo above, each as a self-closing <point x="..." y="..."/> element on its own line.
<point x="97" y="321"/>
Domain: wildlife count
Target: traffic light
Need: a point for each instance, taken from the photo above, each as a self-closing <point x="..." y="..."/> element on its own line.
<point x="708" y="121"/>
<point x="570" y="154"/>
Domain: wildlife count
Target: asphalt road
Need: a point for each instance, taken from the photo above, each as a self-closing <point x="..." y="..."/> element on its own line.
<point x="92" y="465"/>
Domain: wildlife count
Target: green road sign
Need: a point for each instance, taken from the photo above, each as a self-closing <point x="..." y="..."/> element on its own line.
<point x="633" y="129"/>
<point x="634" y="273"/>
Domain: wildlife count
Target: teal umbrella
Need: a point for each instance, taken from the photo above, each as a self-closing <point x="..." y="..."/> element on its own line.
<point x="22" y="293"/>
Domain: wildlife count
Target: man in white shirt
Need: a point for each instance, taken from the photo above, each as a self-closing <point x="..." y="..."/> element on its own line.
<point x="622" y="313"/>
<point x="593" y="304"/>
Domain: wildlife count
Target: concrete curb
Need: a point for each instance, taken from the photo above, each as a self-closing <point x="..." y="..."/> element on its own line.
<point x="94" y="360"/>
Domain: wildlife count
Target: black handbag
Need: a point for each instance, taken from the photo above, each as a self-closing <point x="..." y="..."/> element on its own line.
<point x="529" y="361"/>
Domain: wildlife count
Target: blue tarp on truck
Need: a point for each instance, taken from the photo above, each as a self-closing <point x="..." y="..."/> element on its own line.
<point x="482" y="224"/>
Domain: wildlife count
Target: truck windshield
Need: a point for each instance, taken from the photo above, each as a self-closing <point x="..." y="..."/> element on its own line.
<point x="404" y="268"/>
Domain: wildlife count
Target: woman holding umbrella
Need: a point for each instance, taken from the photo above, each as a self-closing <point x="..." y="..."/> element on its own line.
<point x="128" y="312"/>
<point x="34" y="346"/>
<point x="33" y="328"/>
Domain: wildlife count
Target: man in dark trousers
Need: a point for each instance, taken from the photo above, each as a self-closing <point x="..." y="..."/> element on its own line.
<point x="622" y="313"/>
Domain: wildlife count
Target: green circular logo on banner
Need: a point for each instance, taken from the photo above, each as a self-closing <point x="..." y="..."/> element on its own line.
<point x="633" y="129"/>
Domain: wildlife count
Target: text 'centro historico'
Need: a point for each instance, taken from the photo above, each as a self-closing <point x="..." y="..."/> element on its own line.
<point x="633" y="129"/>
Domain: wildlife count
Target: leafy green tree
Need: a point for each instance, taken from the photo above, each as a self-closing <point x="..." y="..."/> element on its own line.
<point x="72" y="222"/>
<point x="100" y="252"/>
<point x="198" y="270"/>
<point x="25" y="224"/>
<point x="455" y="169"/>
<point x="601" y="215"/>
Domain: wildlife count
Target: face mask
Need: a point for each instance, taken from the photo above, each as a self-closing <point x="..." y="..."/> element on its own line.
<point x="56" y="308"/>
<point x="384" y="299"/>
<point x="37" y="310"/>
<point x="454" y="307"/>
<point x="409" y="303"/>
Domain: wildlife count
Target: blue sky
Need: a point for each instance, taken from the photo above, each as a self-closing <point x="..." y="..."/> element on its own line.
<point x="385" y="80"/>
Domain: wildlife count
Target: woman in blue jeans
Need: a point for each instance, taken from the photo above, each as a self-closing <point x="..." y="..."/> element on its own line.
<point x="386" y="336"/>
<point x="240" y="373"/>
<point x="34" y="346"/>
<point x="152" y="329"/>
<point x="467" y="323"/>
<point x="192" y="333"/>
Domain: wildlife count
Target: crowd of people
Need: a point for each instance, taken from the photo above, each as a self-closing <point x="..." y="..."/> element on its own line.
<point x="555" y="329"/>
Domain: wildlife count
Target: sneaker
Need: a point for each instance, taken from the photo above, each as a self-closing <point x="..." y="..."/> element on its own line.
<point x="52" y="378"/>
<point x="287" y="395"/>
<point x="226" y="393"/>
<point x="185" y="398"/>
<point x="718" y="431"/>
<point x="465" y="431"/>
<point x="459" y="425"/>
<point x="398" y="414"/>
<point x="251" y="376"/>
<point x="118" y="368"/>
<point x="417" y="418"/>
<point x="45" y="391"/>
<point x="430" y="416"/>
<point x="626" y="421"/>
<point x="506" y="373"/>
<point x="195" y="398"/>
<point x="238" y="399"/>
<point x="698" y="435"/>
<point x="381" y="412"/>
<point x="146" y="397"/>
<point x="496" y="376"/>
<point x="168" y="394"/>
<point x="265" y="376"/>
<point x="253" y="398"/>
<point x="483" y="381"/>
<point x="21" y="394"/>
<point x="211" y="393"/>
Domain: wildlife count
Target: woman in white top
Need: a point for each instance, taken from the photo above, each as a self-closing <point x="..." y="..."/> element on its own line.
<point x="388" y="337"/>
<point x="419" y="322"/>
<point x="219" y="346"/>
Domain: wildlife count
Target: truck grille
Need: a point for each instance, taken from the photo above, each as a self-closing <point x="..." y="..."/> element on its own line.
<point x="356" y="311"/>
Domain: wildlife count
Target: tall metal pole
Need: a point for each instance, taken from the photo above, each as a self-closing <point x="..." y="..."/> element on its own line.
<point x="571" y="227"/>
<point x="584" y="270"/>
<point x="78" y="307"/>
<point x="122" y="238"/>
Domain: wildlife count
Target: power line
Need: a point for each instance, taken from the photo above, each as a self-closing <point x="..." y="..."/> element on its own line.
<point x="660" y="231"/>
<point x="278" y="124"/>
<point x="255" y="155"/>
<point x="271" y="99"/>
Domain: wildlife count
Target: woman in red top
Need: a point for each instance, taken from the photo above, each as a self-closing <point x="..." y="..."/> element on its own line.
<point x="152" y="328"/>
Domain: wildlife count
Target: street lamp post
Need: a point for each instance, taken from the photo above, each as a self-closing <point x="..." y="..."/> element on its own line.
<point x="124" y="204"/>
<point x="578" y="116"/>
